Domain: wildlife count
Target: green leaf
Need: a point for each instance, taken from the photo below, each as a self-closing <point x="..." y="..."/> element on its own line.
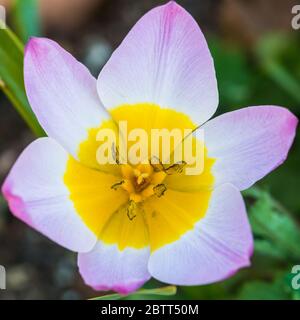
<point x="164" y="291"/>
<point x="278" y="287"/>
<point x="271" y="221"/>
<point x="260" y="290"/>
<point x="25" y="18"/>
<point x="267" y="249"/>
<point x="11" y="77"/>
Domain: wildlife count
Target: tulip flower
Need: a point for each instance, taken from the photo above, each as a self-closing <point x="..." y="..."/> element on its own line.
<point x="127" y="222"/>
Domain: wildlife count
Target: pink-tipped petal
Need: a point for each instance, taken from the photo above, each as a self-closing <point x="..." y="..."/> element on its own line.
<point x="163" y="60"/>
<point x="62" y="93"/>
<point x="220" y="244"/>
<point x="108" y="268"/>
<point x="249" y="143"/>
<point x="36" y="194"/>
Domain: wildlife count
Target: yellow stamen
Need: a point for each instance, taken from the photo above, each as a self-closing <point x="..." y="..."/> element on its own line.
<point x="140" y="181"/>
<point x="142" y="177"/>
<point x="128" y="186"/>
<point x="136" y="172"/>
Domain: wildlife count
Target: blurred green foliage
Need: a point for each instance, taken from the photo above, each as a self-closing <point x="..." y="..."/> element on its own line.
<point x="26" y="19"/>
<point x="11" y="77"/>
<point x="267" y="75"/>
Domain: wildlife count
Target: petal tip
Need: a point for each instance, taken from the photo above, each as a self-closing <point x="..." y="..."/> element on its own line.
<point x="244" y="262"/>
<point x="292" y="122"/>
<point x="105" y="268"/>
<point x="233" y="272"/>
<point x="5" y="190"/>
<point x="289" y="120"/>
<point x="31" y="44"/>
<point x="288" y="131"/>
<point x="15" y="203"/>
<point x="174" y="8"/>
<point x="122" y="289"/>
<point x="172" y="4"/>
<point x="38" y="45"/>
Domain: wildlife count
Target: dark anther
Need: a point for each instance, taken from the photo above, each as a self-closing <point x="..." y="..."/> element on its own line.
<point x="172" y="169"/>
<point x="156" y="166"/>
<point x="160" y="189"/>
<point x="115" y="153"/>
<point x="176" y="168"/>
<point x="131" y="208"/>
<point x="117" y="185"/>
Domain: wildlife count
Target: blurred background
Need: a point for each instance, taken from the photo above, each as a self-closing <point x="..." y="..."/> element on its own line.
<point x="256" y="53"/>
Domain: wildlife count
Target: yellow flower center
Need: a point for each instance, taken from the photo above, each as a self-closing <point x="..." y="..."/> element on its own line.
<point x="138" y="205"/>
<point x="141" y="182"/>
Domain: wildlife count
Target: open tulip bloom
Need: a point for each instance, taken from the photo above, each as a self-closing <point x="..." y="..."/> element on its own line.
<point x="129" y="222"/>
